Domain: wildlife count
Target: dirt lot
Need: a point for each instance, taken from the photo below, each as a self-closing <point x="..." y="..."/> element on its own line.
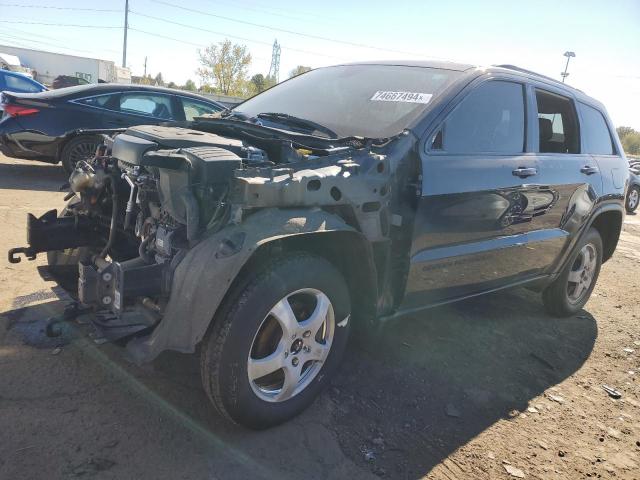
<point x="488" y="388"/>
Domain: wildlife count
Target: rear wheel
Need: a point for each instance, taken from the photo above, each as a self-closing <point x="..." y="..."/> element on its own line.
<point x="572" y="289"/>
<point x="633" y="199"/>
<point x="277" y="341"/>
<point x="80" y="148"/>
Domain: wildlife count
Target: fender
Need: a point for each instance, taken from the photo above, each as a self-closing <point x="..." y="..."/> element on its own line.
<point x="205" y="274"/>
<point x="607" y="205"/>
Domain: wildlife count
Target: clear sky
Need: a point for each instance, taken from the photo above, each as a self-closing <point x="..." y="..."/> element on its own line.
<point x="605" y="35"/>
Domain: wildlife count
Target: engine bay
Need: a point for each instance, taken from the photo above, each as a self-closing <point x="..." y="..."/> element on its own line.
<point x="152" y="193"/>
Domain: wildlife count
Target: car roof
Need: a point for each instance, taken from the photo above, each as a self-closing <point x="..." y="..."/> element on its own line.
<point x="476" y="70"/>
<point x="78" y="91"/>
<point x="460" y="67"/>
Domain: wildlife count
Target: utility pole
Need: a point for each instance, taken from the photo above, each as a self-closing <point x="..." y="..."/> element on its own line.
<point x="565" y="74"/>
<point x="126" y="27"/>
<point x="145" y="67"/>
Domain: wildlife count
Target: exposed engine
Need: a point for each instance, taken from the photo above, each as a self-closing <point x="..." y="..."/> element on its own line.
<point x="153" y="192"/>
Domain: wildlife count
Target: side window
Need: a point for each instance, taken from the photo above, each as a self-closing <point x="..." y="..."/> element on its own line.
<point x="194" y="108"/>
<point x="489" y="120"/>
<point x="557" y="124"/>
<point x="158" y="106"/>
<point x="595" y="132"/>
<point x="17" y="84"/>
<point x="101" y="101"/>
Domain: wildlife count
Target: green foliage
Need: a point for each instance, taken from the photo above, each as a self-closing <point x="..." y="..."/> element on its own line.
<point x="630" y="140"/>
<point x="260" y="83"/>
<point x="190" y="85"/>
<point x="299" y="70"/>
<point x="158" y="80"/>
<point x="172" y="85"/>
<point x="224" y="67"/>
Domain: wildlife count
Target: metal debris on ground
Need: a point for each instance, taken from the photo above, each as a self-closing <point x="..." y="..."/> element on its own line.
<point x="613" y="393"/>
<point x="56" y="351"/>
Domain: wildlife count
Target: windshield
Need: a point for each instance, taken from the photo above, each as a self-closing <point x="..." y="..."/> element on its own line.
<point x="366" y="100"/>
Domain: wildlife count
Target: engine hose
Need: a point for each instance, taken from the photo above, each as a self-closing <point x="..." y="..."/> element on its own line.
<point x="114" y="218"/>
<point x="142" y="250"/>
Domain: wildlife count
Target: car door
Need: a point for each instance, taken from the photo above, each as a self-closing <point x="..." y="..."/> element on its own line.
<point x="194" y="108"/>
<point x="564" y="166"/>
<point x="598" y="141"/>
<point x="480" y="204"/>
<point x="140" y="108"/>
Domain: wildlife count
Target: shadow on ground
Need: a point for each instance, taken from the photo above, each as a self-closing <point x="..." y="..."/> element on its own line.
<point x="434" y="382"/>
<point x="32" y="176"/>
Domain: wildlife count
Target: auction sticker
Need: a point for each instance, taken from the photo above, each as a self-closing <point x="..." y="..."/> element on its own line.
<point x="406" y="97"/>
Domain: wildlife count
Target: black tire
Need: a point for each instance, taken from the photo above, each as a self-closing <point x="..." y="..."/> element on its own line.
<point x="556" y="297"/>
<point x="78" y="148"/>
<point x="228" y="344"/>
<point x="632" y="199"/>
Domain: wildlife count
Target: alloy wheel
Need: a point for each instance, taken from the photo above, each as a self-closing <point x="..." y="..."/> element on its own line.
<point x="634" y="197"/>
<point x="291" y="345"/>
<point x="582" y="272"/>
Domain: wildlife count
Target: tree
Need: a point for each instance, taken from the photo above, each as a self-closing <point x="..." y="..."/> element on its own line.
<point x="225" y="66"/>
<point x="259" y="82"/>
<point x="299" y="70"/>
<point x="172" y="85"/>
<point x="624" y="131"/>
<point x="630" y="140"/>
<point x="190" y="85"/>
<point x="158" y="80"/>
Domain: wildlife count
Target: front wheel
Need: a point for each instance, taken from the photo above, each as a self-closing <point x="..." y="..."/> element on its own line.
<point x="633" y="199"/>
<point x="276" y="341"/>
<point x="570" y="291"/>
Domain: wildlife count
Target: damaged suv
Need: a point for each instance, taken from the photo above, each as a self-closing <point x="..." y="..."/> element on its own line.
<point x="337" y="200"/>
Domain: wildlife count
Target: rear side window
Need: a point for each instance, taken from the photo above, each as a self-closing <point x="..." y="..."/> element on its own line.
<point x="557" y="124"/>
<point x="17" y="84"/>
<point x="194" y="108"/>
<point x="597" y="138"/>
<point x="489" y="120"/>
<point x="102" y="101"/>
<point x="158" y="106"/>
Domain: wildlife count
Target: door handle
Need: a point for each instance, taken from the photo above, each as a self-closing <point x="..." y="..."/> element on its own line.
<point x="523" y="172"/>
<point x="589" y="170"/>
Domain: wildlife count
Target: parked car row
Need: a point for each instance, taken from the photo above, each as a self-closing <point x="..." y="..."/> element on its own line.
<point x="54" y="126"/>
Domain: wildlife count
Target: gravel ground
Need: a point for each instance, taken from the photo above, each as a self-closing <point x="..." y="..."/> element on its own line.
<point x="487" y="388"/>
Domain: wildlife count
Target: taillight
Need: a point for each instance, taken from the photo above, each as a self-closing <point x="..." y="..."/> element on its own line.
<point x="18" y="110"/>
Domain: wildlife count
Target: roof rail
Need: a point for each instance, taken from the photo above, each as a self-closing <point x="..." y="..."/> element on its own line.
<point x="529" y="72"/>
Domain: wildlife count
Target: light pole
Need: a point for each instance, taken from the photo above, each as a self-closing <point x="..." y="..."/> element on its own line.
<point x="565" y="74"/>
<point x="126" y="27"/>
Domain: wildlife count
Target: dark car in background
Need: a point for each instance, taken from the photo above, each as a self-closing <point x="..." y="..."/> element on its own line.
<point x="48" y="126"/>
<point x="17" y="82"/>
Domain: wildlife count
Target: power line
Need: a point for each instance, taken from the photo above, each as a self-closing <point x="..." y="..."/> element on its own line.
<point x="56" y="24"/>
<point x="245" y="39"/>
<point x="166" y="37"/>
<point x="13" y="31"/>
<point x="12" y="36"/>
<point x="284" y="30"/>
<point x="14" y="5"/>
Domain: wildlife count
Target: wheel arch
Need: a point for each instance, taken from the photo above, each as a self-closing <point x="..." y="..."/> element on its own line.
<point x="348" y="250"/>
<point x="608" y="223"/>
<point x="206" y="274"/>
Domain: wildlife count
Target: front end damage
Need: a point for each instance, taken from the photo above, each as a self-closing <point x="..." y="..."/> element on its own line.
<point x="164" y="220"/>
